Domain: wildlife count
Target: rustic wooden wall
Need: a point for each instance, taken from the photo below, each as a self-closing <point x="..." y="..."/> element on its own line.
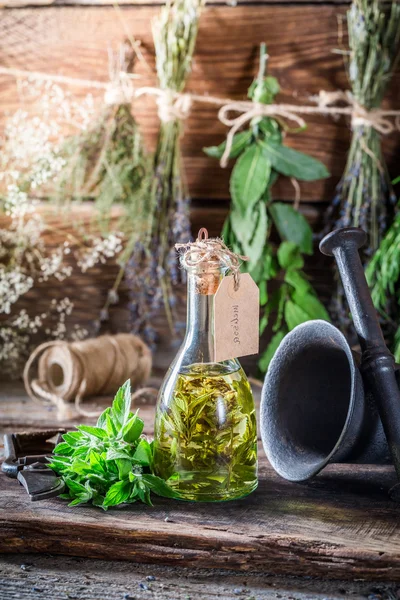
<point x="70" y="37"/>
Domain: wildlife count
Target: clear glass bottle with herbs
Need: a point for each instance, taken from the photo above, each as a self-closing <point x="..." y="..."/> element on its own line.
<point x="205" y="443"/>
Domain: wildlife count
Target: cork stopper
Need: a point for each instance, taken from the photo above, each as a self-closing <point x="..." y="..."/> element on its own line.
<point x="209" y="259"/>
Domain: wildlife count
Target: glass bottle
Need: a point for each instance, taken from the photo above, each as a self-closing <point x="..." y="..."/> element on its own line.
<point x="205" y="443"/>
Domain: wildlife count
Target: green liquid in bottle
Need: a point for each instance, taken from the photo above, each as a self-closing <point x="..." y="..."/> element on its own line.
<point x="205" y="443"/>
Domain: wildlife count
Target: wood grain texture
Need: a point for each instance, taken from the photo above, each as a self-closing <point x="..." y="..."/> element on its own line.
<point x="73" y="41"/>
<point x="340" y="525"/>
<point x="57" y="577"/>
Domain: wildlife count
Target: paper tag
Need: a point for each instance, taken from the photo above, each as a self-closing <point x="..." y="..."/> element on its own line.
<point x="236" y="318"/>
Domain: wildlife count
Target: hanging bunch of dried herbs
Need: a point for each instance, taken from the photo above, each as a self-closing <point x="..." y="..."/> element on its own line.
<point x="261" y="157"/>
<point x="111" y="463"/>
<point x="107" y="161"/>
<point x="364" y="196"/>
<point x="174" y="34"/>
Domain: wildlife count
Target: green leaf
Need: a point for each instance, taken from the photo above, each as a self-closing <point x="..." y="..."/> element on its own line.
<point x="239" y="143"/>
<point x="311" y="306"/>
<point x="118" y="493"/>
<point x="132" y="430"/>
<point x="101" y="421"/>
<point x="294" y="315"/>
<point x="63" y="449"/>
<point x="74" y="487"/>
<point x="124" y="467"/>
<point x="292" y="226"/>
<point x="292" y="163"/>
<point x="263" y="323"/>
<point x="74" y="438"/>
<point x="298" y="282"/>
<point x="121" y="405"/>
<point x="143" y="453"/>
<point x="249" y="178"/>
<point x="94" y="431"/>
<point x="114" y="453"/>
<point x="159" y="486"/>
<point x="268" y="354"/>
<point x="289" y="256"/>
<point x="111" y="429"/>
<point x="251" y="233"/>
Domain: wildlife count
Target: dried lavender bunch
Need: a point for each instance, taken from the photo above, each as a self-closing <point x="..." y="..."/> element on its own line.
<point x="152" y="271"/>
<point x="364" y="195"/>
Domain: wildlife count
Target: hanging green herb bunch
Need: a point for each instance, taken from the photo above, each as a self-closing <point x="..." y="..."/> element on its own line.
<point x="364" y="196"/>
<point x="111" y="463"/>
<point x="261" y="158"/>
<point x="174" y="34"/>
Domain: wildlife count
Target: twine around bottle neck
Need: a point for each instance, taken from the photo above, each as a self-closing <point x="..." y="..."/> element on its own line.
<point x="211" y="255"/>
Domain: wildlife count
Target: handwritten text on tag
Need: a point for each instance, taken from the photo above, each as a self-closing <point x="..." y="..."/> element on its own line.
<point x="236" y="318"/>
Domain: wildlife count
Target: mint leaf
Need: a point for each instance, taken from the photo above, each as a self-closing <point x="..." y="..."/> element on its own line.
<point x="239" y="143"/>
<point x="159" y="486"/>
<point x="143" y="454"/>
<point x="132" y="429"/>
<point x="249" y="178"/>
<point x="292" y="226"/>
<point x="118" y="493"/>
<point x="268" y="354"/>
<point x="292" y="163"/>
<point x="121" y="406"/>
<point x="294" y="315"/>
<point x="289" y="256"/>
<point x="311" y="305"/>
<point x="95" y="431"/>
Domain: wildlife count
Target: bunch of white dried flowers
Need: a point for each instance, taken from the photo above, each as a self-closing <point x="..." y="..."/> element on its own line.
<point x="29" y="164"/>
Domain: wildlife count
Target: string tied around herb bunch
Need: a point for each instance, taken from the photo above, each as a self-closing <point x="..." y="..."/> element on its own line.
<point x="120" y="88"/>
<point x="205" y="251"/>
<point x="171" y="105"/>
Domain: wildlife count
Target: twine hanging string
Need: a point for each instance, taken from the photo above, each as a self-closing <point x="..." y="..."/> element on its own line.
<point x="68" y="372"/>
<point x="207" y="251"/>
<point x="176" y="106"/>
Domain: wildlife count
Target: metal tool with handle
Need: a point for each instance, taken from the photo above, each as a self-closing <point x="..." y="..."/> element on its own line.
<point x="377" y="364"/>
<point x="26" y="457"/>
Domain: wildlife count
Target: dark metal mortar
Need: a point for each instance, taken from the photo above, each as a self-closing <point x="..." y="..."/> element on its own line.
<point x="319" y="406"/>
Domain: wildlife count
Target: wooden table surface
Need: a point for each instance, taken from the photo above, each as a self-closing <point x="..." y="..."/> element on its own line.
<point x="341" y="526"/>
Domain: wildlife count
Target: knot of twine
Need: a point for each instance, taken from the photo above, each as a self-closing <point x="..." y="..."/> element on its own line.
<point x="378" y="119"/>
<point x="172" y="106"/>
<point x="69" y="371"/>
<point x="207" y="250"/>
<point x="119" y="90"/>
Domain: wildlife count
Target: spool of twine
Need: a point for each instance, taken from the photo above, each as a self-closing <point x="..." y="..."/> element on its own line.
<point x="69" y="371"/>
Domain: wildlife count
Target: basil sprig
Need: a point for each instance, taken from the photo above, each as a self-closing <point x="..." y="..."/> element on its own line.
<point x="261" y="157"/>
<point x="111" y="463"/>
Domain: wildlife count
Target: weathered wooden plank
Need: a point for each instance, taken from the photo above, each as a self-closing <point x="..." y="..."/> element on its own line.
<point x="340" y="525"/>
<point x="31" y="576"/>
<point x="73" y="41"/>
<point x="41" y="3"/>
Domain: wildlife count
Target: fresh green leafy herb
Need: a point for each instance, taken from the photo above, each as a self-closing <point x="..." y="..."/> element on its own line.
<point x="111" y="463"/>
<point x="261" y="158"/>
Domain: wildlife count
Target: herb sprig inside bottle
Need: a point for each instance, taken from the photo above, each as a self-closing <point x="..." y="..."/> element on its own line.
<point x="205" y="444"/>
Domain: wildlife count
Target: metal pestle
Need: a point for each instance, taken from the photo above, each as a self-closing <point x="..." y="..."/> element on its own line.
<point x="377" y="366"/>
